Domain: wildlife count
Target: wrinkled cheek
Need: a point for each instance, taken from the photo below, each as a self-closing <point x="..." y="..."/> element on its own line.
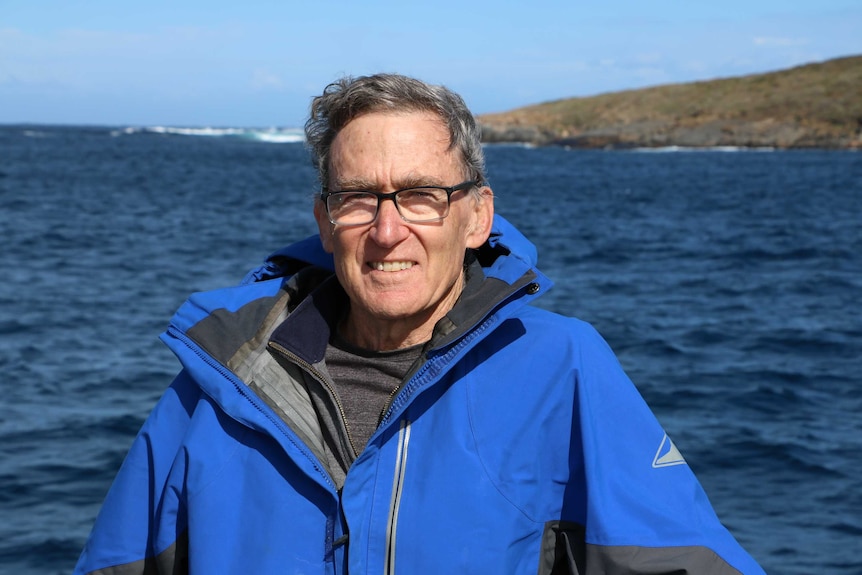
<point x="345" y="278"/>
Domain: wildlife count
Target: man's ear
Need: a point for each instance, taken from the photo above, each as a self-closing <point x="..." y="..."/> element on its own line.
<point x="324" y="226"/>
<point x="483" y="218"/>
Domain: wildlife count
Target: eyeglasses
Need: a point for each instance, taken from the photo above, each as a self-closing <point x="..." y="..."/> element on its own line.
<point x="420" y="204"/>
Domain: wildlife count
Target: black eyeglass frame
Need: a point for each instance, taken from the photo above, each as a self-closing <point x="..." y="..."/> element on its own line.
<point x="465" y="185"/>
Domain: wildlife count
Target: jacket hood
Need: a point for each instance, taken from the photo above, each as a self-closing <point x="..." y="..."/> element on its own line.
<point x="508" y="259"/>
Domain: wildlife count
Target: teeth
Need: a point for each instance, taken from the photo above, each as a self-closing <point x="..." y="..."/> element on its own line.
<point x="391" y="266"/>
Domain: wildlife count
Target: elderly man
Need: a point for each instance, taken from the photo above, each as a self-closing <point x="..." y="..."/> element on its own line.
<point x="381" y="398"/>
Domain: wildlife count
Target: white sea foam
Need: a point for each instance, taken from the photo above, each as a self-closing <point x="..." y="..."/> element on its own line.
<point x="670" y="149"/>
<point x="208" y="132"/>
<point x="529" y="145"/>
<point x="278" y="135"/>
<point x="271" y="135"/>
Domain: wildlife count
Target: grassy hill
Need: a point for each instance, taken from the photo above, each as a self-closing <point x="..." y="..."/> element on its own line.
<point x="816" y="105"/>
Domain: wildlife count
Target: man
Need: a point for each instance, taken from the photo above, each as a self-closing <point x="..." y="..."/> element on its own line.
<point x="409" y="412"/>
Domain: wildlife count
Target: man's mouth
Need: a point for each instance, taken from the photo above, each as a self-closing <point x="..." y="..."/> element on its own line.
<point x="390" y="266"/>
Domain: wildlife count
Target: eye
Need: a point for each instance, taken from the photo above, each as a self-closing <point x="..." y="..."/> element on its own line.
<point x="350" y="199"/>
<point x="423" y="195"/>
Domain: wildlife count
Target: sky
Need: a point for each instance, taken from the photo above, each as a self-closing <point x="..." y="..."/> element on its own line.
<point x="258" y="63"/>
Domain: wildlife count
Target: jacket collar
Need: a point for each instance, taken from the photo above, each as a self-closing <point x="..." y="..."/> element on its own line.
<point x="497" y="273"/>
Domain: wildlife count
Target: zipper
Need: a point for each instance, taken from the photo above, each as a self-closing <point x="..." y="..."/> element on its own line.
<point x="395" y="501"/>
<point x="242" y="389"/>
<point x="398" y="399"/>
<point x="386" y="405"/>
<point x="400" y="395"/>
<point x="323" y="381"/>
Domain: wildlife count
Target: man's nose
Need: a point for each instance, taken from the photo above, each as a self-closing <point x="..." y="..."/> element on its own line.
<point x="388" y="228"/>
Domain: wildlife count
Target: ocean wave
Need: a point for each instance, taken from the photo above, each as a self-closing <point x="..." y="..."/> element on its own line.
<point x="37" y="134"/>
<point x="670" y="149"/>
<point x="269" y="135"/>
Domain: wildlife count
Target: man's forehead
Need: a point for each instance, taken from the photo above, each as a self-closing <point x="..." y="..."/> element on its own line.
<point x="399" y="150"/>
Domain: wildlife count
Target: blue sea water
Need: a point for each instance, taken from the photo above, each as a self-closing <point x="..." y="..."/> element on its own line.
<point x="727" y="281"/>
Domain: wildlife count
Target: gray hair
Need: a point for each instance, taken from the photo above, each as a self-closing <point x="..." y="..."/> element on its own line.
<point x="349" y="98"/>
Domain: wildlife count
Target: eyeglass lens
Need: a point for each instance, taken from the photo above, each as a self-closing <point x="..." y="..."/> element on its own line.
<point x="414" y="205"/>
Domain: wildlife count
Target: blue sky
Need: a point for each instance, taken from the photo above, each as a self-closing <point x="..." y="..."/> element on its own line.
<point x="259" y="62"/>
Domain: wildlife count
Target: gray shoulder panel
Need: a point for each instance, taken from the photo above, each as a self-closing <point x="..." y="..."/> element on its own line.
<point x="632" y="560"/>
<point x="564" y="552"/>
<point x="174" y="561"/>
<point x="223" y="332"/>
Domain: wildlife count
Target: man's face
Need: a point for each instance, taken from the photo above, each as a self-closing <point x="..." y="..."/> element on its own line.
<point x="395" y="271"/>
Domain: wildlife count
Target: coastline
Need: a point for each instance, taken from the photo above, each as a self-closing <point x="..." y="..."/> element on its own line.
<point x="810" y="106"/>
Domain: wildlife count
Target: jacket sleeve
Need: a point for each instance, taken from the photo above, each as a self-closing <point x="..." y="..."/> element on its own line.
<point x="123" y="538"/>
<point x="645" y="510"/>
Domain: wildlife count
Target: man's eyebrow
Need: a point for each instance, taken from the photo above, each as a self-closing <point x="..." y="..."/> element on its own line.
<point x="410" y="181"/>
<point x="414" y="181"/>
<point x="353" y="184"/>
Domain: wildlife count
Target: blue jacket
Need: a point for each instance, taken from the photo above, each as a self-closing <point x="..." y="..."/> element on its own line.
<point x="518" y="445"/>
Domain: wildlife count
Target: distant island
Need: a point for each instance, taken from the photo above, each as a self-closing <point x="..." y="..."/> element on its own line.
<point x="811" y="106"/>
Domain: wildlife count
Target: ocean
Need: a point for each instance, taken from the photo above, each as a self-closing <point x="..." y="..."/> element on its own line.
<point x="727" y="281"/>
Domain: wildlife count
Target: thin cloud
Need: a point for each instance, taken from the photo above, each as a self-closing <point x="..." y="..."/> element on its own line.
<point x="778" y="41"/>
<point x="263" y="79"/>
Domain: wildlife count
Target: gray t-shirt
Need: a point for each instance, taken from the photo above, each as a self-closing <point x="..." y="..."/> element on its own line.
<point x="365" y="381"/>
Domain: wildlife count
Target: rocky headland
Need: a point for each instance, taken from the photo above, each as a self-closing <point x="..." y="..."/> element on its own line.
<point x="811" y="106"/>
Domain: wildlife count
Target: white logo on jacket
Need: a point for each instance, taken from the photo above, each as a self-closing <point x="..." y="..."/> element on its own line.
<point x="667" y="454"/>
